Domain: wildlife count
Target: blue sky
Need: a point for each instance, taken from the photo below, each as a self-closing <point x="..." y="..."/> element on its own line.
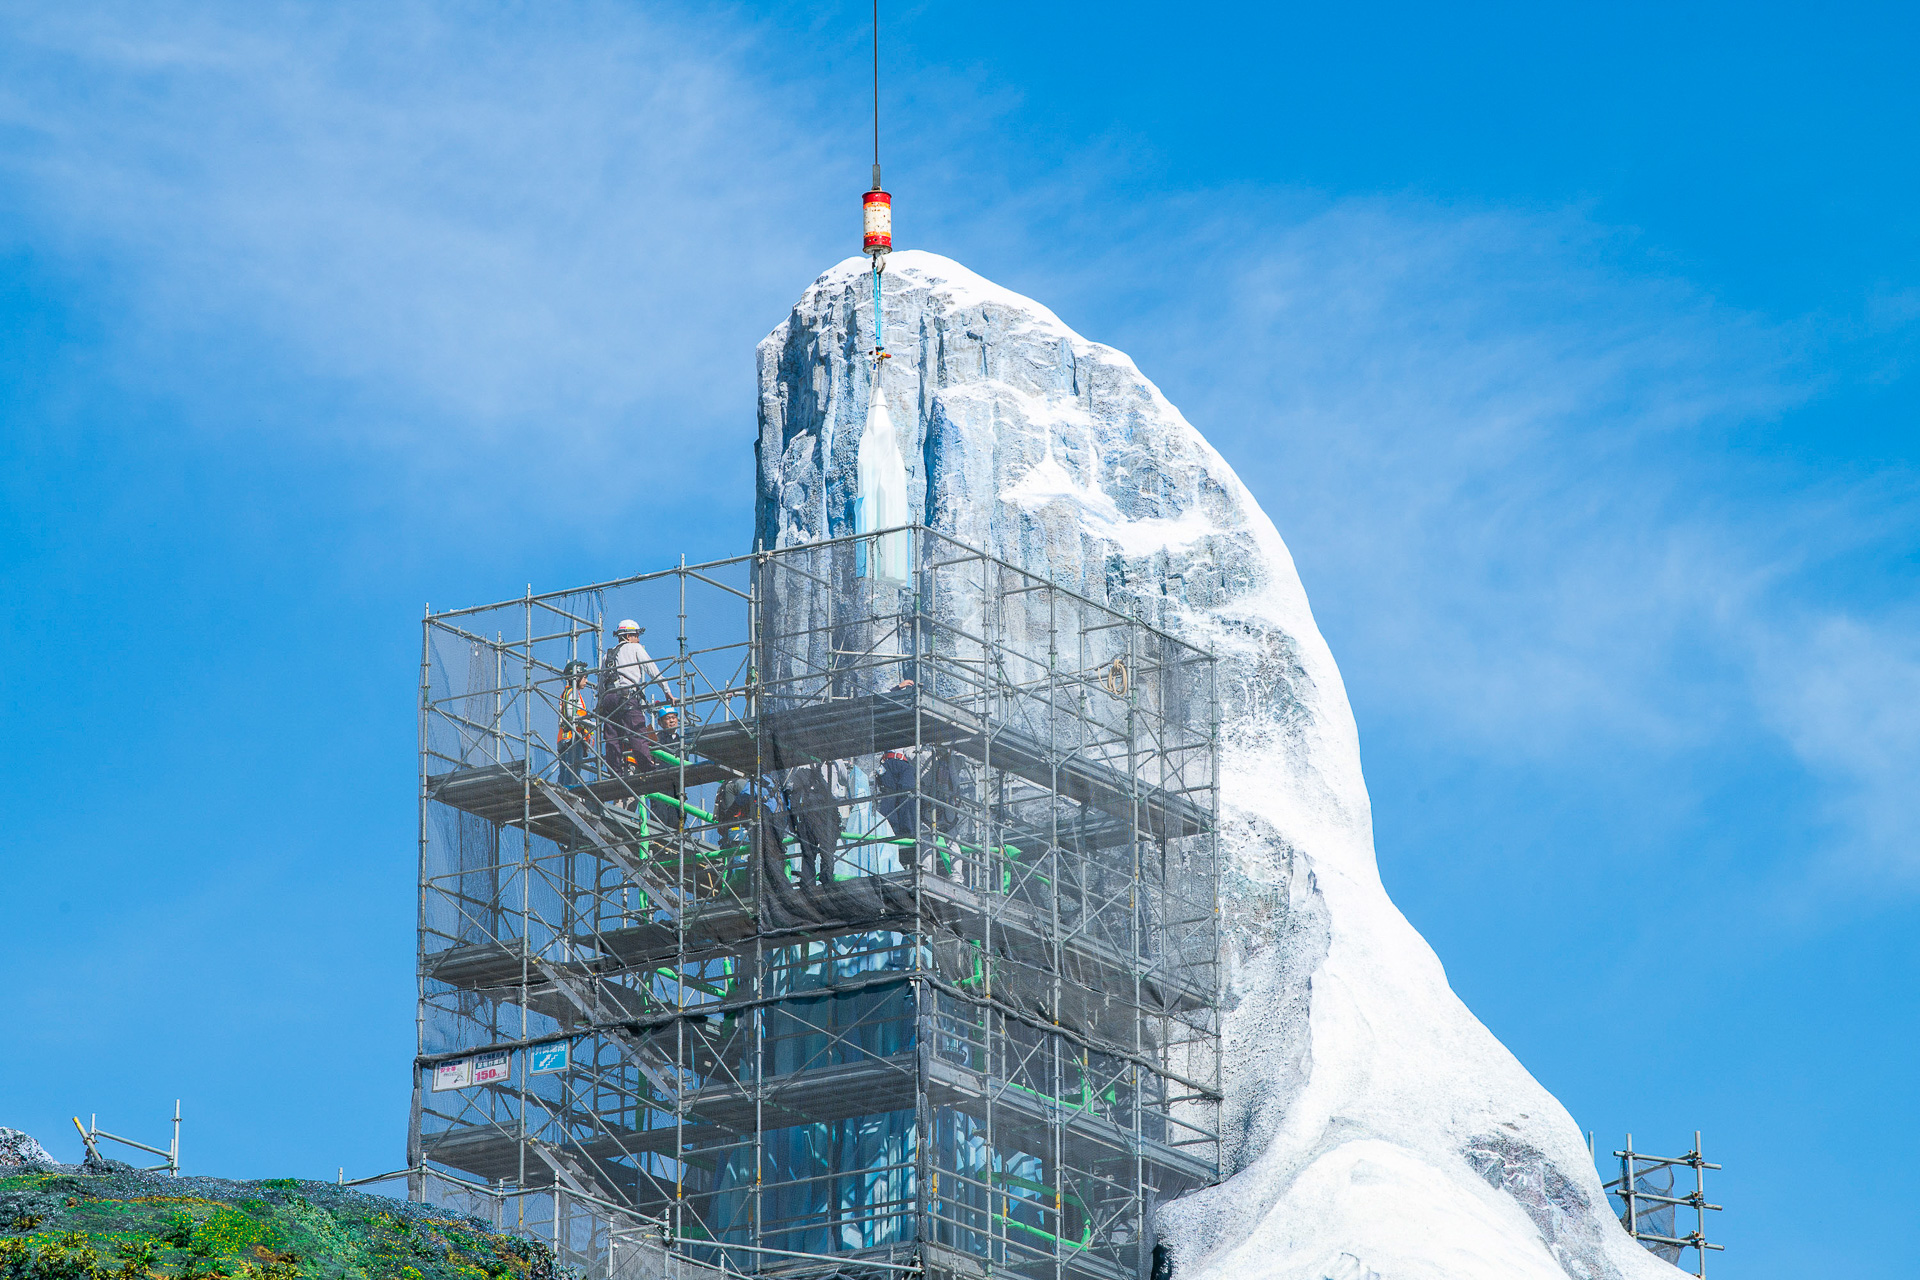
<point x="1572" y="350"/>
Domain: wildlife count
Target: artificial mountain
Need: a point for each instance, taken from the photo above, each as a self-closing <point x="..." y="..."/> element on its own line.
<point x="1373" y="1127"/>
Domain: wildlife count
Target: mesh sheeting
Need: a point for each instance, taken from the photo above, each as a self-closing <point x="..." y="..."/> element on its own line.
<point x="1663" y="1220"/>
<point x="899" y="933"/>
<point x="1651" y="1218"/>
<point x="594" y="1241"/>
<point x="645" y="1255"/>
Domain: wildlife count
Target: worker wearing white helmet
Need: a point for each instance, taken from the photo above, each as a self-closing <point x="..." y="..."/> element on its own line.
<point x="626" y="672"/>
<point x="629" y="663"/>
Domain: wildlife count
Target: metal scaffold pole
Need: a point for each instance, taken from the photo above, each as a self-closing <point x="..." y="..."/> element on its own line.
<point x="1648" y="1212"/>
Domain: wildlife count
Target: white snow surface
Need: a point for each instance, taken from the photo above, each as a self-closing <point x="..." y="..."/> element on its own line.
<point x="1372" y="1126"/>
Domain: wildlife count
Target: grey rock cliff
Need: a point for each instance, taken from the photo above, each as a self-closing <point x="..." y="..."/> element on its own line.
<point x="18" y="1152"/>
<point x="1373" y="1126"/>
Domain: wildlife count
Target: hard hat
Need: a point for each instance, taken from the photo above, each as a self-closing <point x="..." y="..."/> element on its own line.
<point x="628" y="624"/>
<point x="575" y="667"/>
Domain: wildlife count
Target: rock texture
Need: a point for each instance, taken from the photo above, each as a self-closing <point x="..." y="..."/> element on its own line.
<point x="18" y="1151"/>
<point x="1374" y="1127"/>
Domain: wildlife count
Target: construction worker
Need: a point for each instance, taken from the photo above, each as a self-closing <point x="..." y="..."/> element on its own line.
<point x="813" y="815"/>
<point x="667" y="736"/>
<point x="746" y="818"/>
<point x="899" y="779"/>
<point x="937" y="823"/>
<point x="575" y="734"/>
<point x="626" y="672"/>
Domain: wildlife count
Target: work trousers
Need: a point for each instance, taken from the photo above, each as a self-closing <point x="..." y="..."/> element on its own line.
<point x="574" y="755"/>
<point x="813" y="814"/>
<point x="926" y="820"/>
<point x="623" y="711"/>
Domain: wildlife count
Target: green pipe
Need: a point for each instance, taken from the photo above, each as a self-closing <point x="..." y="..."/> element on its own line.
<point x="1047" y="1097"/>
<point x="1047" y="1235"/>
<point x="681" y="805"/>
<point x="696" y="983"/>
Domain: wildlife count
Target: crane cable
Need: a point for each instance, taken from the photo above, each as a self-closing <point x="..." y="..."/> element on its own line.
<point x="876" y="218"/>
<point x="880" y="257"/>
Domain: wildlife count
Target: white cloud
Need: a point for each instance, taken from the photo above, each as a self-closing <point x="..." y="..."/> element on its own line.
<point x="551" y="223"/>
<point x="1845" y="693"/>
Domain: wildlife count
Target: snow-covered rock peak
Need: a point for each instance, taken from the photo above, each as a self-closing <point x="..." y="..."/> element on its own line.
<point x="18" y="1151"/>
<point x="1373" y="1126"/>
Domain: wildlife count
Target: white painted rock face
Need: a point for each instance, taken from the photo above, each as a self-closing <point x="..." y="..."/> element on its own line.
<point x="1373" y="1127"/>
<point x="19" y="1151"/>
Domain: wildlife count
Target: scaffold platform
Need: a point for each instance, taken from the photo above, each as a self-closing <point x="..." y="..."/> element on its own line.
<point x="833" y="731"/>
<point x="724" y="929"/>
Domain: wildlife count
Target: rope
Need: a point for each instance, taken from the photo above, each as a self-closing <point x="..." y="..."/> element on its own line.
<point x="879" y="322"/>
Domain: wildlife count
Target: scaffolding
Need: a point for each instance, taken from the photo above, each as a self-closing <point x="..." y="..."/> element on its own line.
<point x="1644" y="1195"/>
<point x="897" y="952"/>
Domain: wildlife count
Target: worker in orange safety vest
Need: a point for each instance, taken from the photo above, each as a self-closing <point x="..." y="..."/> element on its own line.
<point x="575" y="734"/>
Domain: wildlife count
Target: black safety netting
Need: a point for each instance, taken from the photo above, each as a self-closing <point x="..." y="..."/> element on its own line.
<point x="1653" y="1217"/>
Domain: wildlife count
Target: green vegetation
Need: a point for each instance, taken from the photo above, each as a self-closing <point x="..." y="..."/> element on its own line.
<point x="127" y="1226"/>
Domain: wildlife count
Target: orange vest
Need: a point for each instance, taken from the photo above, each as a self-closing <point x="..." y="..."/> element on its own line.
<point x="574" y="718"/>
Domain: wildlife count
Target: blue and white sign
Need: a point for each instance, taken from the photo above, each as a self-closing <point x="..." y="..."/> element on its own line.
<point x="546" y="1058"/>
